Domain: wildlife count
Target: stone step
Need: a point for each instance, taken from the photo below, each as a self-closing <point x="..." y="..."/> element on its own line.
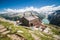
<point x="1" y="27"/>
<point x="2" y="30"/>
<point x="6" y="32"/>
<point x="15" y="37"/>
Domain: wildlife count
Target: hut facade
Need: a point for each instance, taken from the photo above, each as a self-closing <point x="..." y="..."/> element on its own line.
<point x="31" y="20"/>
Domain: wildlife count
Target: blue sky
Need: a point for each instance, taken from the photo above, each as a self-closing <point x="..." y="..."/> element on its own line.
<point x="16" y="4"/>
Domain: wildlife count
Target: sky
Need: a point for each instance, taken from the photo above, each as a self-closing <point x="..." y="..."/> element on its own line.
<point x="15" y="4"/>
<point x="23" y="5"/>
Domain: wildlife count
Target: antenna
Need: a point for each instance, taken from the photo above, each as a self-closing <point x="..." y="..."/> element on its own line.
<point x="31" y="13"/>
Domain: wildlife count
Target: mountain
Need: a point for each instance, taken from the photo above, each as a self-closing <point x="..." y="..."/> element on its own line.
<point x="54" y="18"/>
<point x="15" y="16"/>
<point x="9" y="16"/>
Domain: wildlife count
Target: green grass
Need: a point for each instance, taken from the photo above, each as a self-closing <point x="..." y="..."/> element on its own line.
<point x="45" y="37"/>
<point x="14" y="29"/>
<point x="26" y="33"/>
<point x="4" y="37"/>
<point x="55" y="29"/>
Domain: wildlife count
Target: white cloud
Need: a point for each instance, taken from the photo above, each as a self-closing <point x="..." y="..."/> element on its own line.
<point x="44" y="9"/>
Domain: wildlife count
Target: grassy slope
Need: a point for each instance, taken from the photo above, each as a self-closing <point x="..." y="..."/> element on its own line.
<point x="4" y="37"/>
<point x="44" y="36"/>
<point x="13" y="29"/>
<point x="26" y="33"/>
<point x="55" y="29"/>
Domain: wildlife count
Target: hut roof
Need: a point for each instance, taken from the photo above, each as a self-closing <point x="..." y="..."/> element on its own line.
<point x="31" y="18"/>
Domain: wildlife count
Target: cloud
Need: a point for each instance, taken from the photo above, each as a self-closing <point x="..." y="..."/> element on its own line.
<point x="45" y="9"/>
<point x="49" y="9"/>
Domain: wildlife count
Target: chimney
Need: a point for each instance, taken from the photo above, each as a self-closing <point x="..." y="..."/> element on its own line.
<point x="24" y="15"/>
